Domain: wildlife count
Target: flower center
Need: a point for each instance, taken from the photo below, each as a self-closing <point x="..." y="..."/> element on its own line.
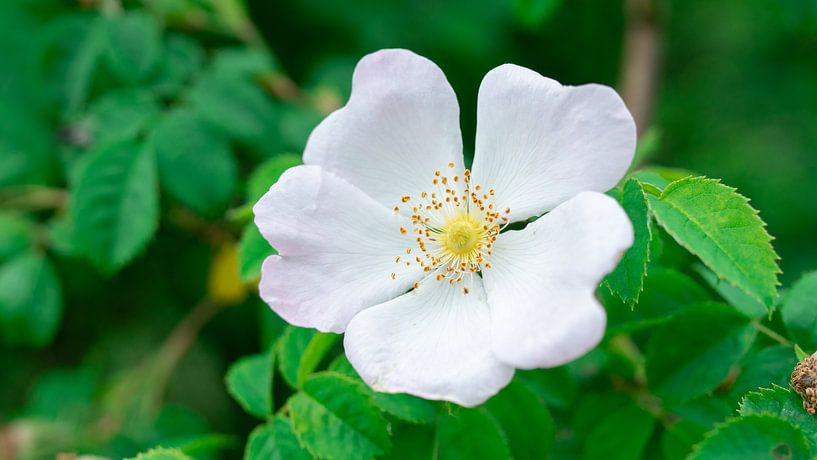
<point x="461" y="236"/>
<point x="455" y="226"/>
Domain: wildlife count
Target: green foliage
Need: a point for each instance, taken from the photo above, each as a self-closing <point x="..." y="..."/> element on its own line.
<point x="799" y="311"/>
<point x="627" y="280"/>
<point x="275" y="441"/>
<point x="115" y="204"/>
<point x="622" y="434"/>
<point x="135" y="138"/>
<point x="300" y="352"/>
<point x="753" y="436"/>
<point x="249" y="381"/>
<point x="785" y="404"/>
<point x="691" y="354"/>
<point x="196" y="164"/>
<point x="717" y="224"/>
<point x="487" y="441"/>
<point x="133" y="45"/>
<point x="524" y="419"/>
<point x="30" y="301"/>
<point x="334" y="417"/>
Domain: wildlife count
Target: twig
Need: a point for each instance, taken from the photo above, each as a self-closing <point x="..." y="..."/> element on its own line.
<point x="640" y="60"/>
<point x="772" y="334"/>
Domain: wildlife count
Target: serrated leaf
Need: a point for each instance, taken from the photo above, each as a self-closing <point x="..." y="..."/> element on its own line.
<point x="114" y="204"/>
<point x="253" y="249"/>
<point x="300" y="352"/>
<point x="249" y="381"/>
<point x="275" y="441"/>
<point x="753" y="436"/>
<point x="524" y="419"/>
<point x="799" y="311"/>
<point x="772" y="365"/>
<point x="334" y="417"/>
<point x="196" y="164"/>
<point x="734" y="296"/>
<point x="627" y="280"/>
<point x="693" y="352"/>
<point x="30" y="301"/>
<point x="666" y="292"/>
<point x="134" y="45"/>
<point x="405" y="407"/>
<point x="485" y="439"/>
<point x="161" y="453"/>
<point x="785" y="404"/>
<point x="267" y="173"/>
<point x="620" y="435"/>
<point x="719" y="226"/>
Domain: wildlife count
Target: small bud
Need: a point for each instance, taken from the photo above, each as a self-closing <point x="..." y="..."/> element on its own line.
<point x="804" y="381"/>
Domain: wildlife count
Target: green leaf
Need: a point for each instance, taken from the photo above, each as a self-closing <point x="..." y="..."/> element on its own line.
<point x="679" y="438"/>
<point x="253" y="249"/>
<point x="799" y="353"/>
<point x="405" y="407"/>
<point x="627" y="280"/>
<point x="118" y="115"/>
<point x="30" y="301"/>
<point x="736" y="298"/>
<point x="753" y="436"/>
<point x="161" y="453"/>
<point x="268" y="173"/>
<point x="719" y="226"/>
<point x="799" y="311"/>
<point x="556" y="386"/>
<point x="334" y="417"/>
<point x="134" y="45"/>
<point x="532" y="13"/>
<point x="692" y="353"/>
<point x="182" y="59"/>
<point x="785" y="404"/>
<point x="196" y="164"/>
<point x="238" y="108"/>
<point x="275" y="441"/>
<point x="772" y="365"/>
<point x="200" y="445"/>
<point x="249" y="381"/>
<point x="80" y="70"/>
<point x="666" y="292"/>
<point x="524" y="419"/>
<point x="411" y="442"/>
<point x="622" y="434"/>
<point x="301" y="351"/>
<point x="15" y="235"/>
<point x="114" y="204"/>
<point x="485" y="439"/>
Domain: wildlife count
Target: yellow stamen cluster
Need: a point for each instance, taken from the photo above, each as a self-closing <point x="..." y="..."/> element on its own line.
<point x="454" y="225"/>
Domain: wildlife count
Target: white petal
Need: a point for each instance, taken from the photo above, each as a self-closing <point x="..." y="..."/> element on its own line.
<point x="433" y="342"/>
<point x="337" y="248"/>
<point x="543" y="278"/>
<point x="400" y="125"/>
<point x="540" y="143"/>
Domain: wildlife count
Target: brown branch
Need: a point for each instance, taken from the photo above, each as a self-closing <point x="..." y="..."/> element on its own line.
<point x="641" y="60"/>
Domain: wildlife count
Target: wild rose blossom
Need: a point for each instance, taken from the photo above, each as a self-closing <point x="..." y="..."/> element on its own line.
<point x="384" y="235"/>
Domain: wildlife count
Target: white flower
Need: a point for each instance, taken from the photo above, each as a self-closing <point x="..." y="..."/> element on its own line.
<point x="384" y="235"/>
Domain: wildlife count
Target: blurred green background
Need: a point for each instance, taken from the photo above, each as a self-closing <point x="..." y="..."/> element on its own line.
<point x="105" y="302"/>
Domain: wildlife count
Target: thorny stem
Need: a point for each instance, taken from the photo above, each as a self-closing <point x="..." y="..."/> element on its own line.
<point x="772" y="334"/>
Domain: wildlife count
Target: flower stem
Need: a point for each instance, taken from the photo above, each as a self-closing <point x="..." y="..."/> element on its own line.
<point x="772" y="334"/>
